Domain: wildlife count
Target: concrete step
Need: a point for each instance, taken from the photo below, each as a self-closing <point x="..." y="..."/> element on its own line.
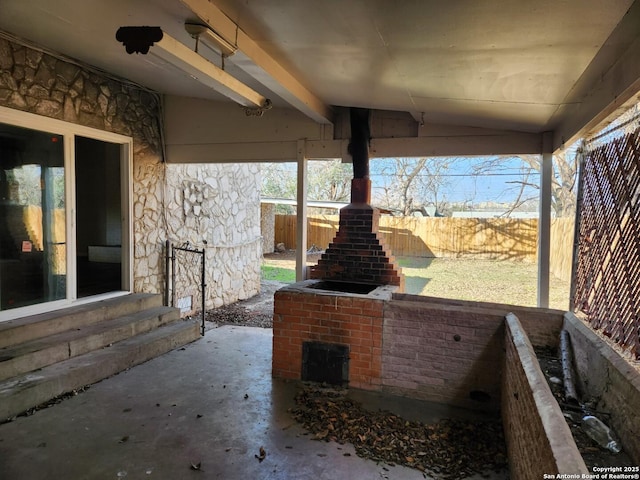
<point x="22" y="392"/>
<point x="21" y="330"/>
<point x="40" y="352"/>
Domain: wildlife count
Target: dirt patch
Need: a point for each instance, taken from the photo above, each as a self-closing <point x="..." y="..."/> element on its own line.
<point x="256" y="311"/>
<point x="287" y="259"/>
<point x="591" y="452"/>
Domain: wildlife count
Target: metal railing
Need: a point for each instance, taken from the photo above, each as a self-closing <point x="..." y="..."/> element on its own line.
<point x="186" y="282"/>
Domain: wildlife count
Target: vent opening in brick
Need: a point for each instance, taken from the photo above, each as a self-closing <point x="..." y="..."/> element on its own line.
<point x="325" y="363"/>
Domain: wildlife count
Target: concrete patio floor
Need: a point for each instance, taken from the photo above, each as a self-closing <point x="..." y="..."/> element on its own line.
<point x="212" y="403"/>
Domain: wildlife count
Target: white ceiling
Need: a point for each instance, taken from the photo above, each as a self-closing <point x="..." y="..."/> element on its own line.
<point x="510" y="64"/>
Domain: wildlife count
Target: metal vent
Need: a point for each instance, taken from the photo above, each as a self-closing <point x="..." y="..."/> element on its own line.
<point x="325" y="363"/>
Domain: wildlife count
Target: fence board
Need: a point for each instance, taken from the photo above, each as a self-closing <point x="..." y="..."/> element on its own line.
<point x="492" y="238"/>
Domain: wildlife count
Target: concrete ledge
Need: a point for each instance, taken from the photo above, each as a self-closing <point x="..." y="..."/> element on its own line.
<point x="538" y="438"/>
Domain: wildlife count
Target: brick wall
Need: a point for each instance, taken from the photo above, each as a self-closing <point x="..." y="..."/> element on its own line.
<point x="358" y="252"/>
<point x="604" y="374"/>
<point x="538" y="438"/>
<point x="451" y="351"/>
<point x="442" y="352"/>
<point x="345" y="319"/>
<point x="447" y="351"/>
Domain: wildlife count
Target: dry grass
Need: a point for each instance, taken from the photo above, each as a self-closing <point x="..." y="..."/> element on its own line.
<point x="465" y="279"/>
<point x="480" y="280"/>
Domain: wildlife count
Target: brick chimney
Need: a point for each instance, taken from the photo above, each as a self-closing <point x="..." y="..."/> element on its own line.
<point x="358" y="253"/>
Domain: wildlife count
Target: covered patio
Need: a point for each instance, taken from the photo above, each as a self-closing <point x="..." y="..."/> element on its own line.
<point x="167" y="83"/>
<point x="211" y="404"/>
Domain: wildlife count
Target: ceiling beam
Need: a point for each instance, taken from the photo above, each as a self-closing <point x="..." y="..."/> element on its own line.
<point x="205" y="72"/>
<point x="254" y="60"/>
<point x="442" y="146"/>
<point x="287" y="150"/>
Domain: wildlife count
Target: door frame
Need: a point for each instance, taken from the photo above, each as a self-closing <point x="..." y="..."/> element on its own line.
<point x="69" y="131"/>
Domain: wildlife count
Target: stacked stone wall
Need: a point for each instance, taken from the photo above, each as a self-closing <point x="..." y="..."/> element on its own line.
<point x="268" y="227"/>
<point x="218" y="204"/>
<point x="49" y="85"/>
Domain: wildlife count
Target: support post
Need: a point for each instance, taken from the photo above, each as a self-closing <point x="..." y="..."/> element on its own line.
<point x="301" y="213"/>
<point x="544" y="221"/>
<point x="576" y="232"/>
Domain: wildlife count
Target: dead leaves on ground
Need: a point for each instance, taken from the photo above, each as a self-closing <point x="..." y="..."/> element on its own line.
<point x="449" y="449"/>
<point x="263" y="454"/>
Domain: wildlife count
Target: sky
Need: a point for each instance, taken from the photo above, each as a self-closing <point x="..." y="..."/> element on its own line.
<point x="459" y="184"/>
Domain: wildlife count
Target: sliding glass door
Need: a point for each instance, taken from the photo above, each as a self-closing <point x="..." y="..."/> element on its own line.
<point x="65" y="214"/>
<point x="33" y="244"/>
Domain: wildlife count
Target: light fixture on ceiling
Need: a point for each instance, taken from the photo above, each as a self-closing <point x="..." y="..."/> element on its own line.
<point x="210" y="38"/>
<point x="140" y="39"/>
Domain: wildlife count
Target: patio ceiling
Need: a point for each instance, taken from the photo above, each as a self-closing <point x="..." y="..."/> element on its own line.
<point x="514" y="65"/>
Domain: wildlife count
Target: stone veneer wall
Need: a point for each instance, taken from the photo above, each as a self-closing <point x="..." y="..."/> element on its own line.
<point x="219" y="204"/>
<point x="539" y="440"/>
<point x="52" y="86"/>
<point x="268" y="227"/>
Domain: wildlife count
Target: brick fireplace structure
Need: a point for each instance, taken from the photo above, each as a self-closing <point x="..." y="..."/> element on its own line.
<point x="358" y="253"/>
<point x="341" y="308"/>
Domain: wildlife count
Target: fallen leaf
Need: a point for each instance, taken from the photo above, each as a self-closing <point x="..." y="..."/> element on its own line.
<point x="263" y="454"/>
<point x="196" y="466"/>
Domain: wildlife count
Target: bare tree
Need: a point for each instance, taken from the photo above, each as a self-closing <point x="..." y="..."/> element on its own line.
<point x="329" y="180"/>
<point x="411" y="184"/>
<point x="563" y="181"/>
<point x="279" y="181"/>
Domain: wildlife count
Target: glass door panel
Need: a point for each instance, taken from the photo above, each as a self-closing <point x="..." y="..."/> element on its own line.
<point x="32" y="217"/>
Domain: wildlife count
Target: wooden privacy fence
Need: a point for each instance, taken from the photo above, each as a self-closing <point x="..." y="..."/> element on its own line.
<point x="491" y="238"/>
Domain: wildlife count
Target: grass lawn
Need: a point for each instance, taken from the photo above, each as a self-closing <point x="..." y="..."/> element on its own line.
<point x="279" y="274"/>
<point x="459" y="278"/>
